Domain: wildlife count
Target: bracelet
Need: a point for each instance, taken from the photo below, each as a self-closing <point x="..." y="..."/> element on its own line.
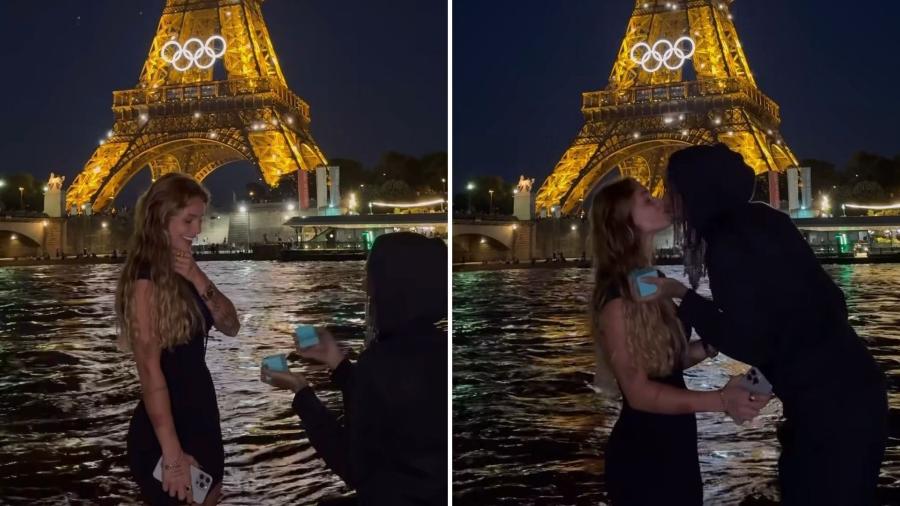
<point x="175" y="465"/>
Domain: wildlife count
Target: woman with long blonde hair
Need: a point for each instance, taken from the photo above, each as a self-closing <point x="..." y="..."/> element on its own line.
<point x="651" y="456"/>
<point x="165" y="306"/>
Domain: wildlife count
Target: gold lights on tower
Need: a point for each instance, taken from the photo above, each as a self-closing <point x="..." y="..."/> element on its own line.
<point x="211" y="92"/>
<point x="680" y="78"/>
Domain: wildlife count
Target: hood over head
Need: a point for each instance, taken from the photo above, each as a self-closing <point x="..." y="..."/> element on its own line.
<point x="407" y="277"/>
<point x="709" y="180"/>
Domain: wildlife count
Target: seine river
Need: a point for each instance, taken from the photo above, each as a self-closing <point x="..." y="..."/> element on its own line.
<point x="527" y="430"/>
<point x="67" y="394"/>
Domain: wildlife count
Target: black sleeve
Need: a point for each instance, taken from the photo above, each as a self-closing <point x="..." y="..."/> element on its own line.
<point x="734" y="322"/>
<point x="688" y="330"/>
<point x="325" y="432"/>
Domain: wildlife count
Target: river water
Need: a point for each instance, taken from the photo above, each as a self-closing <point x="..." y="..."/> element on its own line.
<point x="527" y="430"/>
<point x="67" y="394"/>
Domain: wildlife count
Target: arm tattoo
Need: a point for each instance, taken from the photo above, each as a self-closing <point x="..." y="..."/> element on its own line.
<point x="223" y="311"/>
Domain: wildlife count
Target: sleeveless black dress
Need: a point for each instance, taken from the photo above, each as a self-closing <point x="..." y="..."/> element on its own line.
<point x="194" y="409"/>
<point x="651" y="459"/>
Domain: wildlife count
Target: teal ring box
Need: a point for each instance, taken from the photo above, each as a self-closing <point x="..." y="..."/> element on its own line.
<point x="644" y="289"/>
<point x="306" y="336"/>
<point x="276" y="363"/>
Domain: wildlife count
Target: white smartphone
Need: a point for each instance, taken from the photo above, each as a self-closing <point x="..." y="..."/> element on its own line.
<point x="755" y="382"/>
<point x="200" y="481"/>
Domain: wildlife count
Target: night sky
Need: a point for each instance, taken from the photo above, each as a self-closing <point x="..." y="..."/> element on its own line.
<point x="519" y="68"/>
<point x="374" y="74"/>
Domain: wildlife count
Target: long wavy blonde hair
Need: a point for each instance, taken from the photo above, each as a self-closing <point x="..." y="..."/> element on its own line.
<point x="655" y="337"/>
<point x="173" y="308"/>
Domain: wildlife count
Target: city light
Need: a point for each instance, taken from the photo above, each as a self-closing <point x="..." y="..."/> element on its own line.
<point x="874" y="208"/>
<point x="104" y="224"/>
<point x="243" y="209"/>
<point x="290" y="207"/>
<point x="470" y="186"/>
<point x="2" y="183"/>
<point x="13" y="237"/>
<point x="410" y="204"/>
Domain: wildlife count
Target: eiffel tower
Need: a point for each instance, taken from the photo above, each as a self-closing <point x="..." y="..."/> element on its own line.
<point x="680" y="78"/>
<point x="179" y="118"/>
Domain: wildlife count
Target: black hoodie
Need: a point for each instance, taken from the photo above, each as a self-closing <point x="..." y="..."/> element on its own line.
<point x="392" y="444"/>
<point x="773" y="305"/>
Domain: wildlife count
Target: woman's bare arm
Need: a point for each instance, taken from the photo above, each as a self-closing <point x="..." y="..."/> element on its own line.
<point x="223" y="311"/>
<point x="154" y="389"/>
<point x="642" y="392"/>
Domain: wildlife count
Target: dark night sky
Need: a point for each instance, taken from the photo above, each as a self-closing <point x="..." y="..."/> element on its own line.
<point x="374" y="74"/>
<point x="519" y="68"/>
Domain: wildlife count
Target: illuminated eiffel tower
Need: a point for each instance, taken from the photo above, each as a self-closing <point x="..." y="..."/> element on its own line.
<point x="179" y="118"/>
<point x="680" y="78"/>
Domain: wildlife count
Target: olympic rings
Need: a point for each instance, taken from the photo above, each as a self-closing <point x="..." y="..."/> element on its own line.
<point x="666" y="56"/>
<point x="204" y="50"/>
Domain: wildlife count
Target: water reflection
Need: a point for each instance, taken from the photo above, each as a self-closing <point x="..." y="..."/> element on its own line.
<point x="527" y="430"/>
<point x="66" y="393"/>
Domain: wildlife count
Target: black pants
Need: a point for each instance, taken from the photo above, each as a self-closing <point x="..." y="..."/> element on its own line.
<point x="831" y="452"/>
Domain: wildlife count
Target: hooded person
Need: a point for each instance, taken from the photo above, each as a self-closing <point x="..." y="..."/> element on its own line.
<point x="774" y="307"/>
<point x="392" y="445"/>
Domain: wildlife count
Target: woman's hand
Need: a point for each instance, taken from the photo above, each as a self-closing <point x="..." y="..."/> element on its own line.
<point x="326" y="351"/>
<point x="668" y="288"/>
<point x="292" y="381"/>
<point x="184" y="264"/>
<point x="176" y="481"/>
<point x="740" y="404"/>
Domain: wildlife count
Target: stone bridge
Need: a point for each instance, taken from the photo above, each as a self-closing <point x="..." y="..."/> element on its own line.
<point x="34" y="236"/>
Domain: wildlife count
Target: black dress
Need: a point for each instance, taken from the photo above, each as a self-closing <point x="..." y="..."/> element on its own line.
<point x="651" y="459"/>
<point x="194" y="410"/>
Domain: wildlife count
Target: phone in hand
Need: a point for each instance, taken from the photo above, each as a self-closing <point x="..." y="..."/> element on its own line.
<point x="200" y="481"/>
<point x="276" y="363"/>
<point x="755" y="382"/>
<point x="642" y="288"/>
<point x="306" y="336"/>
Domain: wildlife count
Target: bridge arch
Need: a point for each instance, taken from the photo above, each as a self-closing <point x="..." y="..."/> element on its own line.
<point x="18" y="241"/>
<point x="474" y="247"/>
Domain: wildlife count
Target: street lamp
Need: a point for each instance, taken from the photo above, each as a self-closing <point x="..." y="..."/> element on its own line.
<point x="470" y="187"/>
<point x="2" y="183"/>
<point x="444" y="189"/>
<point x="491" y="208"/>
<point x="21" y="197"/>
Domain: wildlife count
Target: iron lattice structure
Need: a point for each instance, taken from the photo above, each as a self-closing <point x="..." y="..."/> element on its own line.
<point x="644" y="116"/>
<point x="186" y="121"/>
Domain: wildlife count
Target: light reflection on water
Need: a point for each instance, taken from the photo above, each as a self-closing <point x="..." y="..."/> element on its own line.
<point x="67" y="394"/>
<point x="526" y="429"/>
